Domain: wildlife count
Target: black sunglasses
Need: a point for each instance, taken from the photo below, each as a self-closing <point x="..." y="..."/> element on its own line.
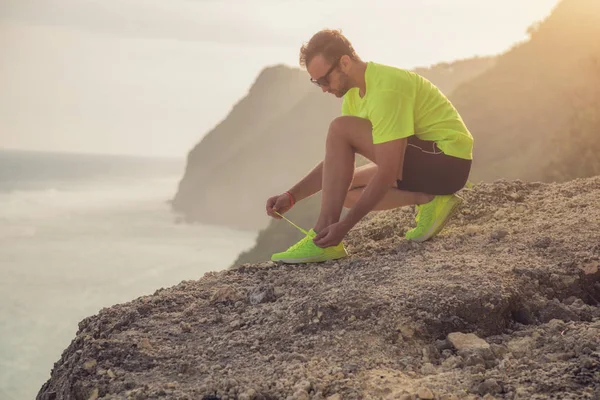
<point x="324" y="81"/>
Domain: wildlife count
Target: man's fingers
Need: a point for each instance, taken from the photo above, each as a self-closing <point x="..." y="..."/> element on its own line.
<point x="275" y="215"/>
<point x="271" y="213"/>
<point x="320" y="238"/>
<point x="269" y="207"/>
<point x="321" y="242"/>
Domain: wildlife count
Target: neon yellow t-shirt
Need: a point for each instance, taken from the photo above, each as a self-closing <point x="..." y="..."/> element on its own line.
<point x="400" y="103"/>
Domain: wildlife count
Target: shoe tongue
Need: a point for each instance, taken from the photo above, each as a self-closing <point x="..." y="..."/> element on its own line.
<point x="301" y="243"/>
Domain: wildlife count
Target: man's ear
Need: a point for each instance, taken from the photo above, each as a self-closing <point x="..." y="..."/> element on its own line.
<point x="345" y="62"/>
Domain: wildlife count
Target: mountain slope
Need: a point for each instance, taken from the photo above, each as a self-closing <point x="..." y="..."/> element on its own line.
<point x="521" y="106"/>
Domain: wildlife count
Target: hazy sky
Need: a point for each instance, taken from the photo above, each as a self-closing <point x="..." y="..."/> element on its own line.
<point x="151" y="77"/>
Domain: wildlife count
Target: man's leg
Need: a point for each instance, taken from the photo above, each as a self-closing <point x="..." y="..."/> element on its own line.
<point x="346" y="137"/>
<point x="394" y="198"/>
<point x="432" y="171"/>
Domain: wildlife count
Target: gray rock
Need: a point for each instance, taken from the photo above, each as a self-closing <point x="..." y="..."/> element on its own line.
<point x="542" y="242"/>
<point x="262" y="294"/>
<point x="226" y="294"/>
<point x="467" y="341"/>
<point x="499" y="234"/>
<point x="489" y="386"/>
<point x="425" y="393"/>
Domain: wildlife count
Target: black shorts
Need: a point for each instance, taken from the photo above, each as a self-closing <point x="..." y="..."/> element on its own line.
<point x="428" y="170"/>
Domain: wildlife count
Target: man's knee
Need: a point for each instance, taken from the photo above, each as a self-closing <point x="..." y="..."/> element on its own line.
<point x="347" y="125"/>
<point x="354" y="131"/>
<point x="337" y="128"/>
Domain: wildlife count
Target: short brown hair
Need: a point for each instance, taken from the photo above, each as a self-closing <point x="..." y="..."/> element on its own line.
<point x="330" y="43"/>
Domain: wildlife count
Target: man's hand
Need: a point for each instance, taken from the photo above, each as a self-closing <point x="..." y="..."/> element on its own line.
<point x="331" y="235"/>
<point x="280" y="203"/>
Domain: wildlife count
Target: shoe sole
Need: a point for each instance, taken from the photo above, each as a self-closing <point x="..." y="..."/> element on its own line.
<point x="307" y="260"/>
<point x="437" y="228"/>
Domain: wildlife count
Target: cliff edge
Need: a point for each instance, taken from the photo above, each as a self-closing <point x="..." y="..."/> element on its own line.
<point x="503" y="304"/>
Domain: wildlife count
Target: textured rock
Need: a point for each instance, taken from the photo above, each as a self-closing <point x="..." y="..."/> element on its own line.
<point x="458" y="315"/>
<point x="467" y="342"/>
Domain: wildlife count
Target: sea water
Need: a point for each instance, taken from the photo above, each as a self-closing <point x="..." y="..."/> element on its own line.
<point x="83" y="232"/>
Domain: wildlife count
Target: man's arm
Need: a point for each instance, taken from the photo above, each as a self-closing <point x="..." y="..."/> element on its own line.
<point x="389" y="157"/>
<point x="309" y="185"/>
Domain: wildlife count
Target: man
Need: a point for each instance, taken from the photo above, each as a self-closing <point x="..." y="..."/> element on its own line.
<point x="420" y="149"/>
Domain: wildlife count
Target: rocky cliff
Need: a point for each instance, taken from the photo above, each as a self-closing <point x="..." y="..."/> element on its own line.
<point x="503" y="304"/>
<point x="522" y="110"/>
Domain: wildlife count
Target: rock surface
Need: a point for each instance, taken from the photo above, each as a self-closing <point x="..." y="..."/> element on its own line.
<point x="388" y="322"/>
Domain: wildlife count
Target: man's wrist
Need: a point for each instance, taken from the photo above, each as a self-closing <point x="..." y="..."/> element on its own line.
<point x="291" y="197"/>
<point x="347" y="224"/>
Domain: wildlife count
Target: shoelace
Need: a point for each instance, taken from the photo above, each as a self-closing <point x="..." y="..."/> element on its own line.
<point x="427" y="214"/>
<point x="300" y="244"/>
<point x="293" y="224"/>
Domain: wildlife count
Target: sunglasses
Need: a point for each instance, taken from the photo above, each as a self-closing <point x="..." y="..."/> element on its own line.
<point x="324" y="80"/>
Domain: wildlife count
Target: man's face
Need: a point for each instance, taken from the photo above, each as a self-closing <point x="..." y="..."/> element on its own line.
<point x="329" y="76"/>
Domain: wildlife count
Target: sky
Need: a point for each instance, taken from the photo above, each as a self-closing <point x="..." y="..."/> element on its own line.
<point x="152" y="77"/>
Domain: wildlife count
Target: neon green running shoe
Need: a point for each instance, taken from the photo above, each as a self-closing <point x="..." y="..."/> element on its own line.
<point x="425" y="219"/>
<point x="432" y="217"/>
<point x="306" y="251"/>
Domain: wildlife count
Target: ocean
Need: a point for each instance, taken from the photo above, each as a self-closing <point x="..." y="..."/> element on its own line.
<point x="83" y="232"/>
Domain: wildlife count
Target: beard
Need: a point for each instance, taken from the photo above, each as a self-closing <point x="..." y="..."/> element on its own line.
<point x="344" y="82"/>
